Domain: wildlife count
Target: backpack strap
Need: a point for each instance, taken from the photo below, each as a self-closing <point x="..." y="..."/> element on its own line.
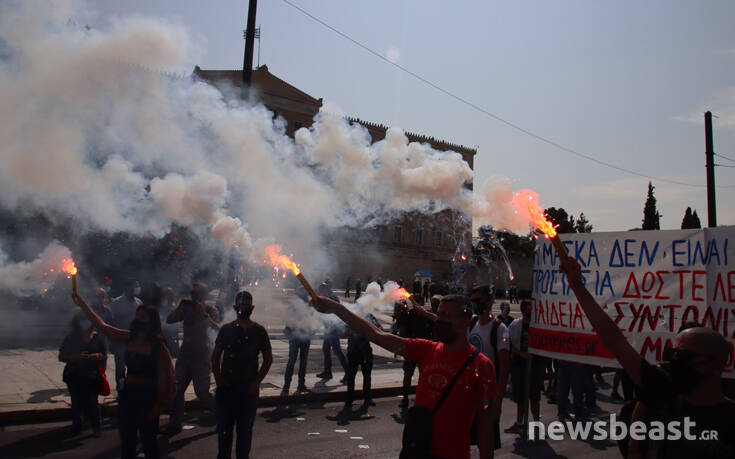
<point x="494" y="339"/>
<point x="454" y="380"/>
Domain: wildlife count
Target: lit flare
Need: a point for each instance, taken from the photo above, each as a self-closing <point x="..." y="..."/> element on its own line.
<point x="403" y="293"/>
<point x="273" y="252"/>
<point x="68" y="266"/>
<point x="525" y="203"/>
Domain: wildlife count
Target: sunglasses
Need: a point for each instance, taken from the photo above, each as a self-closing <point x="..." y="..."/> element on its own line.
<point x="676" y="353"/>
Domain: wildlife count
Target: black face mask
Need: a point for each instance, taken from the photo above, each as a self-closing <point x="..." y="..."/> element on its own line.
<point x="684" y="377"/>
<point x="443" y="331"/>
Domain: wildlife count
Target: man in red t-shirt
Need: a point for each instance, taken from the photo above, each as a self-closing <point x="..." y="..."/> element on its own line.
<point x="438" y="363"/>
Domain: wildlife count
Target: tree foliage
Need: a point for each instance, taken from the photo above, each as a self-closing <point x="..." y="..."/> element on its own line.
<point x="566" y="223"/>
<point x="651" y="216"/>
<point x="691" y="220"/>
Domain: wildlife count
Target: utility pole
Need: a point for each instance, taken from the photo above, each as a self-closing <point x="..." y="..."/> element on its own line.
<point x="247" y="65"/>
<point x="710" y="154"/>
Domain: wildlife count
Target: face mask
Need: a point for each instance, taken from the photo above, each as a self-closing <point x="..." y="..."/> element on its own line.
<point x="136" y="291"/>
<point x="139" y="326"/>
<point x="684" y="378"/>
<point x="443" y="331"/>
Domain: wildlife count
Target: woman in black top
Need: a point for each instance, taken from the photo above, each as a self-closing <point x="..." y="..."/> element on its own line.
<point x="147" y="382"/>
<point x="83" y="350"/>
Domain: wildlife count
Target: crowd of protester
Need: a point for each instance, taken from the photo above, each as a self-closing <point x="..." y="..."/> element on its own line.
<point x="474" y="350"/>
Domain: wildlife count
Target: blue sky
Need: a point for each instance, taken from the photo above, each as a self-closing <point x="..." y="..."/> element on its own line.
<point x="625" y="82"/>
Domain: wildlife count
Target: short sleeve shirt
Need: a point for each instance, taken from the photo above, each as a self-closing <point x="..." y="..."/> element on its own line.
<point x="437" y="367"/>
<point x="240" y="348"/>
<point x="480" y="337"/>
<point x="665" y="405"/>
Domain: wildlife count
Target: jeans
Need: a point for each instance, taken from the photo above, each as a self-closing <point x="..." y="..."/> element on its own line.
<point x="235" y="405"/>
<point x="135" y="403"/>
<point x="588" y="385"/>
<point x="569" y="375"/>
<point x="365" y="362"/>
<point x="331" y="343"/>
<point x="296" y="346"/>
<point x="191" y="370"/>
<point x="84" y="403"/>
<point x="119" y="369"/>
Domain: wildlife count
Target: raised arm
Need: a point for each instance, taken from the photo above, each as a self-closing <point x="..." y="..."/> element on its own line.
<point x="177" y="315"/>
<point x="114" y="333"/>
<point x="362" y="327"/>
<point x="606" y="329"/>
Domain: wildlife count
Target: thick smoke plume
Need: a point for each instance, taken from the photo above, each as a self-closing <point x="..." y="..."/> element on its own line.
<point x="95" y="129"/>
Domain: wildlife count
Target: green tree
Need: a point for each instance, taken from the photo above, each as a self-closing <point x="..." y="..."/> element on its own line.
<point x="583" y="225"/>
<point x="651" y="217"/>
<point x="691" y="220"/>
<point x="563" y="222"/>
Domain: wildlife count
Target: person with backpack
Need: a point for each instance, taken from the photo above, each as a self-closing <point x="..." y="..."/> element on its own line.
<point x="149" y="384"/>
<point x="490" y="335"/>
<point x="456" y="381"/>
<point x="235" y="368"/>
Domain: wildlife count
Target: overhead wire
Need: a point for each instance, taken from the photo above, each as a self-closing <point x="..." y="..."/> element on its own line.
<point x="488" y="113"/>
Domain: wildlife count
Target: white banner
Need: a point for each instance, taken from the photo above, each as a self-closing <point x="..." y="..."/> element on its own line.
<point x="649" y="282"/>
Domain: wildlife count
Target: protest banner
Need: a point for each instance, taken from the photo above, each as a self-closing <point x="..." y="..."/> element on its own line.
<point x="649" y="282"/>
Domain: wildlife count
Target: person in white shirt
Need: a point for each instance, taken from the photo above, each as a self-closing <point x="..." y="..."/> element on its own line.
<point x="490" y="336"/>
<point x="123" y="312"/>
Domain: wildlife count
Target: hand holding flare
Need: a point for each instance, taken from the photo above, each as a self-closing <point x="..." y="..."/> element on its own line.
<point x="276" y="259"/>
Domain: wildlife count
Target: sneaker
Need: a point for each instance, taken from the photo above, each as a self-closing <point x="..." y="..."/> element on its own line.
<point x="343" y="380"/>
<point x="404" y="402"/>
<point x="302" y="390"/>
<point x="284" y="392"/>
<point x="515" y="428"/>
<point x="324" y="375"/>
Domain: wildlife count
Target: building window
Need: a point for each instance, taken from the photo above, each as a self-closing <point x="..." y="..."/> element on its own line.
<point x="438" y="236"/>
<point x="397" y="234"/>
<point x="419" y="236"/>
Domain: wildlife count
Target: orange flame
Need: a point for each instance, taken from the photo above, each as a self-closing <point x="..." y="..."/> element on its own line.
<point x="403" y="293"/>
<point x="273" y="252"/>
<point x="68" y="266"/>
<point x="526" y="205"/>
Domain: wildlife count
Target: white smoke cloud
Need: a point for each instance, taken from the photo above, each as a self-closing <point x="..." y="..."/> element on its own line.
<point x="32" y="277"/>
<point x="92" y="130"/>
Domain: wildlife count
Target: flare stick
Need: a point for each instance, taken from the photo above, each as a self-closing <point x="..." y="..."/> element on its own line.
<point x="74" y="283"/>
<point x="560" y="249"/>
<point x="307" y="286"/>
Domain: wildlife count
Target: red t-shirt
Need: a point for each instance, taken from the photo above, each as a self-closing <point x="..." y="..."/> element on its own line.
<point x="451" y="425"/>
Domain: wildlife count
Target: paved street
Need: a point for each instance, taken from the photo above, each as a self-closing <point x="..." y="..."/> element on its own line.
<point x="34" y="408"/>
<point x="300" y="431"/>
